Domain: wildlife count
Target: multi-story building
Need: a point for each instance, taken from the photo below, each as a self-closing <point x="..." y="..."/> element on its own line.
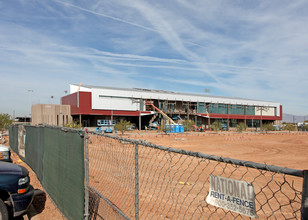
<point x="143" y="106"/>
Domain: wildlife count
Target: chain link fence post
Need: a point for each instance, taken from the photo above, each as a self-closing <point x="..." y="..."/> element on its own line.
<point x="86" y="176"/>
<point x="304" y="209"/>
<point x="136" y="183"/>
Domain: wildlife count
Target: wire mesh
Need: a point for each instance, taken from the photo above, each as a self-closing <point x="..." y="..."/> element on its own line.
<point x="175" y="184"/>
<point x="112" y="173"/>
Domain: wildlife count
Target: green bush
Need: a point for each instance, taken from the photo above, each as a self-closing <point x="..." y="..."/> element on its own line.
<point x="241" y="127"/>
<point x="188" y="124"/>
<point x="122" y="126"/>
<point x="5" y="122"/>
<point x="216" y="126"/>
<point x="289" y="127"/>
<point x="305" y="127"/>
<point x="73" y="124"/>
<point x="268" y="127"/>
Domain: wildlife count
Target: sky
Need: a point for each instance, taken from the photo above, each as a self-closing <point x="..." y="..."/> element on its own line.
<point x="241" y="48"/>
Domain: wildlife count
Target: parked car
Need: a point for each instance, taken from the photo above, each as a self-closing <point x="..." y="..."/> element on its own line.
<point x="16" y="193"/>
<point x="224" y="127"/>
<point x="5" y="153"/>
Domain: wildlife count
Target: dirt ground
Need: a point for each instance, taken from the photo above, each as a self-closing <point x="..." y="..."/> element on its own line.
<point x="279" y="148"/>
<point x="162" y="180"/>
<point x="42" y="207"/>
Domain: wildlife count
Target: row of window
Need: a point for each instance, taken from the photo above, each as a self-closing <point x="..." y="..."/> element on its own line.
<point x="234" y="109"/>
<point x="234" y="122"/>
<point x="217" y="108"/>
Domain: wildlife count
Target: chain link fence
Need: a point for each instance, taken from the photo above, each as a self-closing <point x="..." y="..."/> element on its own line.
<point x="96" y="176"/>
<point x="133" y="179"/>
<point x="56" y="155"/>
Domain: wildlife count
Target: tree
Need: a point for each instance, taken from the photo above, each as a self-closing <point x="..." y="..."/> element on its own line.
<point x="216" y="126"/>
<point x="268" y="127"/>
<point x="289" y="127"/>
<point x="122" y="126"/>
<point x="188" y="124"/>
<point x="5" y="122"/>
<point x="305" y="127"/>
<point x="241" y="127"/>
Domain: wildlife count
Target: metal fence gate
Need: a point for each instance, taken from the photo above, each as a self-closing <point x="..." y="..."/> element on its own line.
<point x="133" y="179"/>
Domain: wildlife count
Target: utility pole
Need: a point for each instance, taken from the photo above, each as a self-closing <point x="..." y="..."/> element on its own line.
<point x="261" y="125"/>
<point x="228" y="123"/>
<point x="245" y="113"/>
<point x="252" y="125"/>
<point x="261" y="108"/>
<point x="30" y="99"/>
<point x="139" y="120"/>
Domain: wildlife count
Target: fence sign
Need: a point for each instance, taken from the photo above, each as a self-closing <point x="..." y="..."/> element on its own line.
<point x="234" y="195"/>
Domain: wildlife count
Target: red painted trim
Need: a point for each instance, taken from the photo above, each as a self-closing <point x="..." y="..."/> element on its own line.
<point x="71" y="100"/>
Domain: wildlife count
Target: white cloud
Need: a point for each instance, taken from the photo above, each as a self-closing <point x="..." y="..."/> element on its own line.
<point x="252" y="49"/>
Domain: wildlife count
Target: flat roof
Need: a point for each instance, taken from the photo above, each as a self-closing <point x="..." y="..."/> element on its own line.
<point x="164" y="92"/>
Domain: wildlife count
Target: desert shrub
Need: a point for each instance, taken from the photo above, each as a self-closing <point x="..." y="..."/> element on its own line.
<point x="73" y="124"/>
<point x="305" y="127"/>
<point x="289" y="127"/>
<point x="241" y="127"/>
<point x="268" y="127"/>
<point x="188" y="124"/>
<point x="216" y="126"/>
<point x="122" y="126"/>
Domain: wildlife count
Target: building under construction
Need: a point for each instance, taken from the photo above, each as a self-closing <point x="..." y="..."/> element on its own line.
<point x="142" y="107"/>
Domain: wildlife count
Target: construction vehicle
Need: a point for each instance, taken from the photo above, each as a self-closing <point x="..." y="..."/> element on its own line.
<point x="161" y="112"/>
<point x="105" y="125"/>
<point x="172" y="127"/>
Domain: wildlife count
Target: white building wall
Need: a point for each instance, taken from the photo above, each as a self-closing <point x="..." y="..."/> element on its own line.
<point x="122" y="99"/>
<point x="113" y="103"/>
<point x="265" y="111"/>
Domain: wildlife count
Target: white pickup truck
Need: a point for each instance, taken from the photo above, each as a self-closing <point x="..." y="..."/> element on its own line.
<point x="5" y="154"/>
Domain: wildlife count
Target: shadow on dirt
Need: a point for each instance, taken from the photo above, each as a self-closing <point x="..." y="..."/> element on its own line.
<point x="37" y="206"/>
<point x="39" y="200"/>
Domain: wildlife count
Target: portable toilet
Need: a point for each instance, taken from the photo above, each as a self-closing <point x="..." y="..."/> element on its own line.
<point x="177" y="128"/>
